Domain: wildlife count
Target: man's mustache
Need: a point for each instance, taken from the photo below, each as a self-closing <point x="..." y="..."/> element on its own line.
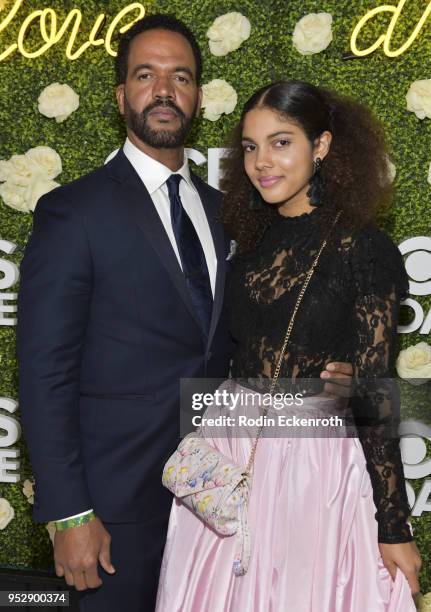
<point x="163" y="104"/>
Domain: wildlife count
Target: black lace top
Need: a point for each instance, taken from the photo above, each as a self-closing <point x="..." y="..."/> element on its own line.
<point x="349" y="313"/>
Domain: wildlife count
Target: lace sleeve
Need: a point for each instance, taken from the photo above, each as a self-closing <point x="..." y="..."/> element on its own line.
<point x="380" y="282"/>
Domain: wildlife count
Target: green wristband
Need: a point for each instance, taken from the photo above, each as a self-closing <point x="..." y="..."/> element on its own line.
<point x="75" y="522"/>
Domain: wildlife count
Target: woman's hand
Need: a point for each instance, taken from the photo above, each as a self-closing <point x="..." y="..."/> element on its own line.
<point x="407" y="558"/>
<point x="338" y="376"/>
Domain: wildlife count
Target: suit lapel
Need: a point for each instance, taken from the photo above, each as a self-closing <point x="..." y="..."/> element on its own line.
<point x="138" y="201"/>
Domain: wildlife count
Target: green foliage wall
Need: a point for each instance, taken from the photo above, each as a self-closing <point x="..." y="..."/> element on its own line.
<point x="96" y="129"/>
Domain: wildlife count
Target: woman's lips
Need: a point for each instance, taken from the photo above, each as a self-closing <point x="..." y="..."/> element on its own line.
<point x="269" y="181"/>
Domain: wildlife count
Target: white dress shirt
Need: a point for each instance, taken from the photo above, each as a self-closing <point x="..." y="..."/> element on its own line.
<point x="154" y="176"/>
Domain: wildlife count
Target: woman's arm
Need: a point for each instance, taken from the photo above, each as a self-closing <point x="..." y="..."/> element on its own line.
<point x="376" y="410"/>
<point x="380" y="283"/>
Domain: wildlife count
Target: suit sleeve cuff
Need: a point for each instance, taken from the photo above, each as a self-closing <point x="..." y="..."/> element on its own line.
<point x="67" y="518"/>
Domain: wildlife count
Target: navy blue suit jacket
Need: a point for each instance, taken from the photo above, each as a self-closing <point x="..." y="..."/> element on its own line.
<point x="106" y="330"/>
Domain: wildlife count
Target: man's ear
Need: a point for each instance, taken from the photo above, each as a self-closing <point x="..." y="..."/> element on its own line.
<point x="120" y="93"/>
<point x="199" y="104"/>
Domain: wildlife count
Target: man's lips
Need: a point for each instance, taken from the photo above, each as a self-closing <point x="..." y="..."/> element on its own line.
<point x="163" y="113"/>
<point x="269" y="181"/>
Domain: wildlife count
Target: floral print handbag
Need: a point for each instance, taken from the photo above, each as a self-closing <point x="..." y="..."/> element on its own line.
<point x="210" y="484"/>
<point x="214" y="488"/>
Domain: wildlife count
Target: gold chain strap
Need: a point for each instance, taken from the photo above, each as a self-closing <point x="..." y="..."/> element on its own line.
<point x="286" y="340"/>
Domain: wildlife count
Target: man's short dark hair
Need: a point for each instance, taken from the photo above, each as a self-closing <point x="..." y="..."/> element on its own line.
<point x="154" y="22"/>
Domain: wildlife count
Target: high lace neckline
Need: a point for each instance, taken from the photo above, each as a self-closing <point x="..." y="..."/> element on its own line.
<point x="297" y="220"/>
<point x="297" y="229"/>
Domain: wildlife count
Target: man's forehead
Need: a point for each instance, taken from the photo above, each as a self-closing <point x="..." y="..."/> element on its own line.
<point x="162" y="43"/>
<point x="161" y="49"/>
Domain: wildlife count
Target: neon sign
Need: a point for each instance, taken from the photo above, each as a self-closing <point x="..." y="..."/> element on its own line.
<point x="385" y="39"/>
<point x="51" y="33"/>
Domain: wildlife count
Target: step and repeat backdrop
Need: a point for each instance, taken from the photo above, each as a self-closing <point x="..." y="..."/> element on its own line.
<point x="59" y="120"/>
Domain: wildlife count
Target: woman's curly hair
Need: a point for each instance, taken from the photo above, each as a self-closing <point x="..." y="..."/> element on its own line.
<point x="355" y="171"/>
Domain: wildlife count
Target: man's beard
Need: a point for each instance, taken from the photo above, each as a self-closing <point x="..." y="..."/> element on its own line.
<point x="158" y="139"/>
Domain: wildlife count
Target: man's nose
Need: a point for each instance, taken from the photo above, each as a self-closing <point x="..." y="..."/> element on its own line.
<point x="163" y="88"/>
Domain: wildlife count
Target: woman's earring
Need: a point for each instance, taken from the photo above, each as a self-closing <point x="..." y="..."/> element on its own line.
<point x="317" y="191"/>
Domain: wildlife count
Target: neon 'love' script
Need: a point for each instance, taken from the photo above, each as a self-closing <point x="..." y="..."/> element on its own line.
<point x="51" y="32"/>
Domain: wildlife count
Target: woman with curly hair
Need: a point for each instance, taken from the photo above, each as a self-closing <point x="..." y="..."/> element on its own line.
<point x="328" y="514"/>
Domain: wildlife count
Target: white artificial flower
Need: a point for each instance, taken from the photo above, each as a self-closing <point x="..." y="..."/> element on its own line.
<point x="232" y="250"/>
<point x="218" y="97"/>
<point x="414" y="363"/>
<point x="392" y="171"/>
<point x="111" y="156"/>
<point x="7" y="513"/>
<point x="46" y="160"/>
<point x="419" y="98"/>
<point x="227" y="33"/>
<point x="15" y="196"/>
<point x="28" y="177"/>
<point x="389" y="173"/>
<point x="424" y="603"/>
<point x="313" y="33"/>
<point x="19" y="169"/>
<point x="58" y="101"/>
<point x="4" y="170"/>
<point x="50" y="527"/>
<point x="28" y="490"/>
<point x="38" y="189"/>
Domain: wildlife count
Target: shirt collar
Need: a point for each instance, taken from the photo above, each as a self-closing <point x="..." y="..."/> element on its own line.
<point x="152" y="173"/>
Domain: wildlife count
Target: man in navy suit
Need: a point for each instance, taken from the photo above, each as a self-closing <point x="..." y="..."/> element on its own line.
<point x="122" y="288"/>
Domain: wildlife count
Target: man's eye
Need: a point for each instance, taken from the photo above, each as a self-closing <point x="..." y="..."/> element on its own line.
<point x="144" y="75"/>
<point x="182" y="79"/>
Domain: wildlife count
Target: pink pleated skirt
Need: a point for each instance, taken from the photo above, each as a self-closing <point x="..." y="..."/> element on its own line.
<point x="314" y="535"/>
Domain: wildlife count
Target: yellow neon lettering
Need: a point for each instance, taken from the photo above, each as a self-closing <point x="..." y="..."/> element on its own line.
<point x="362" y="52"/>
<point x="45" y="13"/>
<point x="116" y="21"/>
<point x="5" y="23"/>
<point x="22" y="33"/>
<point x="385" y="39"/>
<point x="100" y="22"/>
<point x="413" y="35"/>
<point x="48" y="26"/>
<point x="77" y="15"/>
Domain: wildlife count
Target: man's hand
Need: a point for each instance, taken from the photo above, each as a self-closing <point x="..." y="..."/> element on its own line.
<point x="77" y="552"/>
<point x="339" y="375"/>
<point x="406" y="558"/>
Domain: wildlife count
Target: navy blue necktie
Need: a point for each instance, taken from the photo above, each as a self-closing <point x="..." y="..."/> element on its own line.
<point x="192" y="255"/>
